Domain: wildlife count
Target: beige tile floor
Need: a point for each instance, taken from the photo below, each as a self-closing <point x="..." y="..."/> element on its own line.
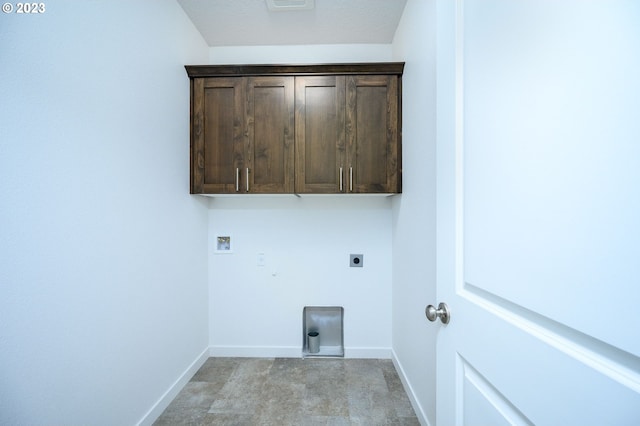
<point x="292" y="391"/>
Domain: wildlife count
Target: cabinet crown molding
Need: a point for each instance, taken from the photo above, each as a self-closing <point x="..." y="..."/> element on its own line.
<point x="377" y="68"/>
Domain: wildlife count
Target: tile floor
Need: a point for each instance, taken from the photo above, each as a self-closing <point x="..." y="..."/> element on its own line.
<point x="292" y="391"/>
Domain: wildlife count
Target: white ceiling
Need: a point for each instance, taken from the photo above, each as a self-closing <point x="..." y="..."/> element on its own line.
<point x="250" y="23"/>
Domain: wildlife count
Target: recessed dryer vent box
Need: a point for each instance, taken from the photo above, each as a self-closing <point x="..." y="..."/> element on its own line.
<point x="327" y="321"/>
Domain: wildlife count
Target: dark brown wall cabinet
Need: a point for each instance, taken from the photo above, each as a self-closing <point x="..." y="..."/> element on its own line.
<point x="304" y="129"/>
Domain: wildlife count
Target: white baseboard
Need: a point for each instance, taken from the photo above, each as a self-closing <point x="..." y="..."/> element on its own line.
<point x="375" y="353"/>
<point x="255" y="351"/>
<point x="290" y="352"/>
<point x="164" y="401"/>
<point x="422" y="418"/>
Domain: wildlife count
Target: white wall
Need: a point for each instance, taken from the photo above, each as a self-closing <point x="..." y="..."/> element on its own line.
<point x="312" y="270"/>
<point x="257" y="310"/>
<point x="414" y="238"/>
<point x="307" y="241"/>
<point x="334" y="53"/>
<point x="103" y="295"/>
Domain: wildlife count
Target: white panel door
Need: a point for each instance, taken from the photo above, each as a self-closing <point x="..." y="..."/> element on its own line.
<point x="539" y="212"/>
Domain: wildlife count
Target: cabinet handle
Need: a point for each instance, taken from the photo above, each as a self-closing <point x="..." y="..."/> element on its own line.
<point x="351" y="179"/>
<point x="237" y="179"/>
<point x="340" y="179"/>
<point x="247" y="179"/>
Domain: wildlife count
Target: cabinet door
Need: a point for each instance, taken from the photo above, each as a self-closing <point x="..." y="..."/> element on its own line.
<point x="320" y="134"/>
<point x="373" y="148"/>
<point x="269" y="155"/>
<point x="217" y="136"/>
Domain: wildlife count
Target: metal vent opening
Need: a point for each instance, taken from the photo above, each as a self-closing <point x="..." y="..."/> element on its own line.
<point x="289" y="5"/>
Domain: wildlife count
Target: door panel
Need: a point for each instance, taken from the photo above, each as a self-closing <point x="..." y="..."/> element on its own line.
<point x="537" y="212"/>
<point x="320" y="134"/>
<point x="544" y="378"/>
<point x="219" y="140"/>
<point x="270" y="124"/>
<point x="482" y="403"/>
<point x="372" y="139"/>
<point x="370" y="162"/>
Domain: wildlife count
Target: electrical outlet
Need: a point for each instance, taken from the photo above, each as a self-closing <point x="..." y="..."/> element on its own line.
<point x="356" y="260"/>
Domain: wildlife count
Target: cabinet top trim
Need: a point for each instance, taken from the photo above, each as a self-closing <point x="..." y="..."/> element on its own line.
<point x="393" y="68"/>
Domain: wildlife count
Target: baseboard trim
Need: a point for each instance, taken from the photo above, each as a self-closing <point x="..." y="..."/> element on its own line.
<point x="164" y="401"/>
<point x="422" y="418"/>
<point x="375" y="353"/>
<point x="255" y="351"/>
<point x="290" y="352"/>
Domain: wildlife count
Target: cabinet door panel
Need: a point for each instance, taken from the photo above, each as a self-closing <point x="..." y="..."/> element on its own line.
<point x="270" y="124"/>
<point x="217" y="134"/>
<point x="320" y="137"/>
<point x="372" y="133"/>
